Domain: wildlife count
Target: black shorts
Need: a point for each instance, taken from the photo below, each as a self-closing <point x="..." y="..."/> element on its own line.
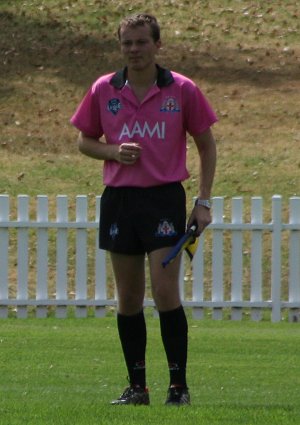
<point x="140" y="220"/>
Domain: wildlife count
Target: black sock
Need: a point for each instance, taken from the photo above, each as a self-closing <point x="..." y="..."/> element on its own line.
<point x="174" y="332"/>
<point x="133" y="337"/>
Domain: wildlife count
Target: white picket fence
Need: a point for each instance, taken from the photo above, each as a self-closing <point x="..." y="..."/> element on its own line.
<point x="264" y="276"/>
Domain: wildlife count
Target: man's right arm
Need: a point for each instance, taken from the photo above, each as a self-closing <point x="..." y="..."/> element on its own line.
<point x="125" y="153"/>
<point x="97" y="149"/>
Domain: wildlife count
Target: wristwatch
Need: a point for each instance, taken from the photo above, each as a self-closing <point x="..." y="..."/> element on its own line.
<point x="203" y="203"/>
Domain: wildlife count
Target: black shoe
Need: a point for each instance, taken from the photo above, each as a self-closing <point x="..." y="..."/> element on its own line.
<point x="133" y="395"/>
<point x="178" y="396"/>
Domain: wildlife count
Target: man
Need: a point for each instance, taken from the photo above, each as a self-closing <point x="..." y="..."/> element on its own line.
<point x="143" y="113"/>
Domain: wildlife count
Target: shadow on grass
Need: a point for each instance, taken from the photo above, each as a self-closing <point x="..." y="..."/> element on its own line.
<point x="29" y="45"/>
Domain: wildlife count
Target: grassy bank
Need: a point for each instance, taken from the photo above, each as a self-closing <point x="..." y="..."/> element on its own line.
<point x="244" y="56"/>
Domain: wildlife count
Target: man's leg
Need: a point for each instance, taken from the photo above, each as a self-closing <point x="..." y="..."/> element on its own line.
<point x="130" y="280"/>
<point x="173" y="323"/>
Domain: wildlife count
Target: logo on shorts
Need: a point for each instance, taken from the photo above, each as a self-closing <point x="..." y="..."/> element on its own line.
<point x="113" y="231"/>
<point x="170" y="105"/>
<point x="114" y="105"/>
<point x="165" y="228"/>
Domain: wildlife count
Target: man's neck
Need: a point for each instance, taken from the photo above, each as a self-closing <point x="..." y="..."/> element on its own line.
<point x="144" y="78"/>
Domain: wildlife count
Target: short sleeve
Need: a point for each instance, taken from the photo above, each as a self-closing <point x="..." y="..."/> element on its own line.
<point x="87" y="117"/>
<point x="198" y="114"/>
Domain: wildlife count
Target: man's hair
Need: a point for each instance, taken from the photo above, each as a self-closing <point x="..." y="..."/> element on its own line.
<point x="139" y="20"/>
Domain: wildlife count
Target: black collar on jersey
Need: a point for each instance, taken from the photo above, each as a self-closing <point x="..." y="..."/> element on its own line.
<point x="164" y="78"/>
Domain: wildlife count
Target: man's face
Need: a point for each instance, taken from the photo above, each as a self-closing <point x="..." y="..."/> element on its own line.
<point x="138" y="47"/>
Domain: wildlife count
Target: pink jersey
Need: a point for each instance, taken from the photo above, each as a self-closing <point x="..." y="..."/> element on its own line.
<point x="173" y="107"/>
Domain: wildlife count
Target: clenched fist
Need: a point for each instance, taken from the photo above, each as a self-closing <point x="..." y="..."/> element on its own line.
<point x="129" y="153"/>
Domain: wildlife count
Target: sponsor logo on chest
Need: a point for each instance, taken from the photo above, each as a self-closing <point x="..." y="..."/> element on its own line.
<point x="142" y="130"/>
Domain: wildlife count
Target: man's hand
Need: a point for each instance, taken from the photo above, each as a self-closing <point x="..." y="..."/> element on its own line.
<point x="201" y="217"/>
<point x="129" y="153"/>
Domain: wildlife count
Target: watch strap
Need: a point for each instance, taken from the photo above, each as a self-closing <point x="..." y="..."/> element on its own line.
<point x="203" y="203"/>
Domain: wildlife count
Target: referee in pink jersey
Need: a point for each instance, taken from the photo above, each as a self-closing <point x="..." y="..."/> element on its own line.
<point x="136" y="120"/>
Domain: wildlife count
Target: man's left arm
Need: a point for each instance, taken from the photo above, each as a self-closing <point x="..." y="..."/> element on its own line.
<point x="206" y="147"/>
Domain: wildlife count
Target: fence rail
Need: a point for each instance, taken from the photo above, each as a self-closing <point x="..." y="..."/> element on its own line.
<point x="239" y="266"/>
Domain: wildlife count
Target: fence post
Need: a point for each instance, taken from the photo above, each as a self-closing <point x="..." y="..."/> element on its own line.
<point x="217" y="258"/>
<point x="22" y="282"/>
<point x="198" y="281"/>
<point x="276" y="259"/>
<point x="294" y="260"/>
<point x="237" y="258"/>
<point x="256" y="257"/>
<point x="42" y="255"/>
<point x="81" y="255"/>
<point x="4" y="243"/>
<point x="61" y="255"/>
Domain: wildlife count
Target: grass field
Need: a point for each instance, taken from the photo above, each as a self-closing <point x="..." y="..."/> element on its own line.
<point x="67" y="371"/>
